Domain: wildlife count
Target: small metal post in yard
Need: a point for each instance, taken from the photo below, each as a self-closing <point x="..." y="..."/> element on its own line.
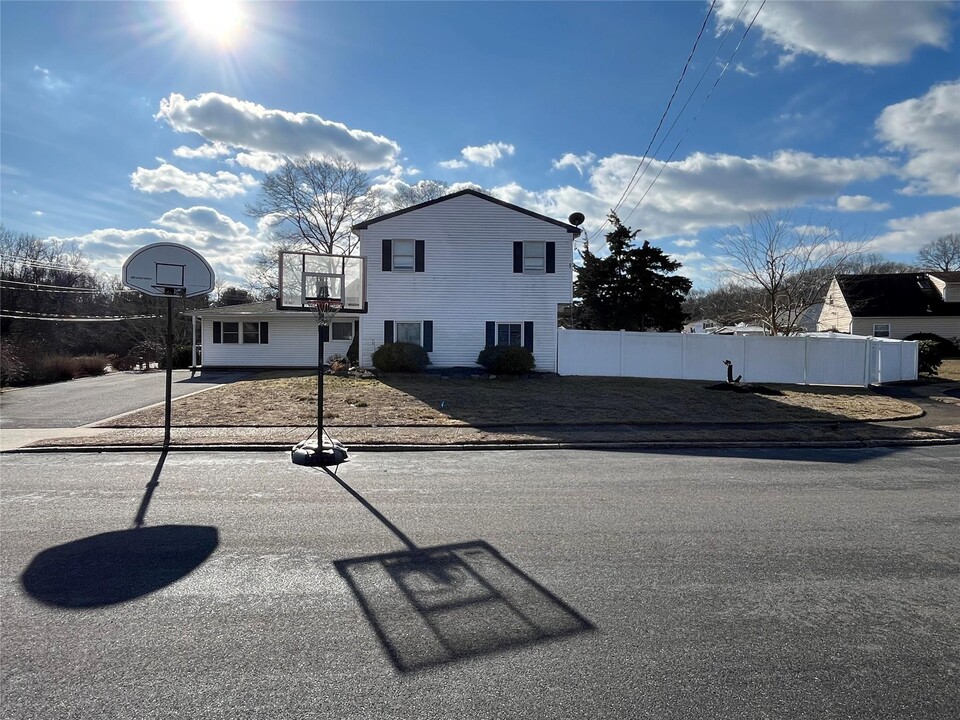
<point x="320" y="328"/>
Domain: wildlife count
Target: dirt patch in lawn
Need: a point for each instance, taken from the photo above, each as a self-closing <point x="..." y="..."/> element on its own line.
<point x="284" y="399"/>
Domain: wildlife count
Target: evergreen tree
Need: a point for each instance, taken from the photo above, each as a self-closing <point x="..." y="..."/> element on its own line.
<point x="632" y="288"/>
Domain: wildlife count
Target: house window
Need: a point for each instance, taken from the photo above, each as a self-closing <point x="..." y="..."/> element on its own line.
<point x="881" y="330"/>
<point x="408" y="332"/>
<point x="534" y="257"/>
<point x="342" y="331"/>
<point x="404" y="255"/>
<point x="231" y="332"/>
<point x="509" y="334"/>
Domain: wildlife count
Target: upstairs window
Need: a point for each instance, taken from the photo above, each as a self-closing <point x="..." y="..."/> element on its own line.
<point x="403" y="255"/>
<point x="534" y="256"/>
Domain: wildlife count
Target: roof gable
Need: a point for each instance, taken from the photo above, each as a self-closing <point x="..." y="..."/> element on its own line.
<point x="367" y="223"/>
<point x="894" y="295"/>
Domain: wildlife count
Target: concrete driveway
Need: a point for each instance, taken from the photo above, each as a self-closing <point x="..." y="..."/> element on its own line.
<point x="36" y="413"/>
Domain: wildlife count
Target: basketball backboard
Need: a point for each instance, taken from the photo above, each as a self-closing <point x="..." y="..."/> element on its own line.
<point x="306" y="277"/>
<point x="166" y="268"/>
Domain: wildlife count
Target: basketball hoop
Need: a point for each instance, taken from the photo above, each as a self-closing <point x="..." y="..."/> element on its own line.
<point x="324" y="309"/>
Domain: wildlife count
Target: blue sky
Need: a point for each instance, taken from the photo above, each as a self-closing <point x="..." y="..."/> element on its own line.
<point x="128" y="123"/>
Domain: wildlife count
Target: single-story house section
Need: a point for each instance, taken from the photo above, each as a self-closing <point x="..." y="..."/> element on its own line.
<point x="894" y="305"/>
<point x="259" y="336"/>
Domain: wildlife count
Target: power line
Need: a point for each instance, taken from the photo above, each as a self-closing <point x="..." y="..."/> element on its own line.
<point x="41" y="287"/>
<point x="15" y="315"/>
<point x="697" y="114"/>
<point x="42" y="264"/>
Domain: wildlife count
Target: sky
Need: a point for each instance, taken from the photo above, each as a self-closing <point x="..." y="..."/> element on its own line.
<point x="127" y="123"/>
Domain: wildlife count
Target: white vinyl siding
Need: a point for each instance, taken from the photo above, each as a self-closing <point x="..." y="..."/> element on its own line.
<point x="468" y="280"/>
<point x="292" y="344"/>
<point x="835" y="314"/>
<point x="901" y="327"/>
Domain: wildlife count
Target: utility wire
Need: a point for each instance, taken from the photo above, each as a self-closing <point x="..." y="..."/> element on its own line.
<point x="697" y="114"/>
<point x="43" y="264"/>
<point x="73" y="318"/>
<point x="627" y="189"/>
<point x="41" y="287"/>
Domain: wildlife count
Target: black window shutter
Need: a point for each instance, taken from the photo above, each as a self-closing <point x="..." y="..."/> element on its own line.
<point x="387" y="255"/>
<point x="518" y="257"/>
<point x="216" y="331"/>
<point x="491" y="333"/>
<point x="418" y="258"/>
<point x="264" y="333"/>
<point x="551" y="257"/>
<point x="528" y="336"/>
<point x="428" y="335"/>
<point x="387" y="331"/>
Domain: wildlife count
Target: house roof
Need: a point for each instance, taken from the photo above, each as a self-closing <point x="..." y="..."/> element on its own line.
<point x="947" y="277"/>
<point x="569" y="228"/>
<point x="894" y="295"/>
<point x="267" y="307"/>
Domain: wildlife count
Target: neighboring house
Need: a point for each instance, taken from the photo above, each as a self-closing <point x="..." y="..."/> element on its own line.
<point x="452" y="274"/>
<point x="700" y="326"/>
<point x="893" y="305"/>
<point x="739" y="329"/>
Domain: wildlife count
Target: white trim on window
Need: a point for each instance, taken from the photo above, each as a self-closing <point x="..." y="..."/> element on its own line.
<point x="404" y="255"/>
<point x="408" y="325"/>
<point x="230" y="333"/>
<point x="512" y="332"/>
<point x="534" y="256"/>
<point x="881" y="329"/>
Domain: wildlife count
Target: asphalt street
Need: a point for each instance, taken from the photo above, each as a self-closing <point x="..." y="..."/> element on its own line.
<point x="79" y="402"/>
<point x="531" y="584"/>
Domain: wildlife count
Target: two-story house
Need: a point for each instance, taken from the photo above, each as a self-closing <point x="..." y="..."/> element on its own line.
<point x="452" y="274"/>
<point x="893" y="305"/>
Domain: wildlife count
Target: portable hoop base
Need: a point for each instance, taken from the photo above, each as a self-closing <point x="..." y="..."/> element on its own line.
<point x="332" y="452"/>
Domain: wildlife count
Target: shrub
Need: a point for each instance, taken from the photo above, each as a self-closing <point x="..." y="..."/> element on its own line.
<point x="930" y="356"/>
<point x="56" y="368"/>
<point x="13" y="370"/>
<point x="400" y="357"/>
<point x="91" y="364"/>
<point x="506" y="360"/>
<point x="948" y="348"/>
<point x="353" y="352"/>
<point x="182" y="357"/>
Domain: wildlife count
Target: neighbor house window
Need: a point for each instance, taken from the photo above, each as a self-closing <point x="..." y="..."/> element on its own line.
<point x="534" y="257"/>
<point x="342" y="331"/>
<point x="404" y="255"/>
<point x="881" y="330"/>
<point x="509" y="334"/>
<point x="231" y="332"/>
<point x="408" y="332"/>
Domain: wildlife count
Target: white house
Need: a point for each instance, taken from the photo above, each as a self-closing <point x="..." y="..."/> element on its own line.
<point x="452" y="274"/>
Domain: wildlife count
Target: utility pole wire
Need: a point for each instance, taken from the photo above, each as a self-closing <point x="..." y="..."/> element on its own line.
<point x="687" y="131"/>
<point x="41" y="287"/>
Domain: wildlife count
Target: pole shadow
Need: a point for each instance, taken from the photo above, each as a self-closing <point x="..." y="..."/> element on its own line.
<point x="116" y="567"/>
<point x="151" y="487"/>
<point x="436" y="605"/>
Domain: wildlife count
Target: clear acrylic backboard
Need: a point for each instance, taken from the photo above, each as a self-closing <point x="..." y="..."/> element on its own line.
<point x="306" y="277"/>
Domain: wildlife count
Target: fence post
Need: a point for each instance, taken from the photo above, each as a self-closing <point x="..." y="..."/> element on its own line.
<point x="806" y="358"/>
<point x="620" y="369"/>
<point x="683" y="355"/>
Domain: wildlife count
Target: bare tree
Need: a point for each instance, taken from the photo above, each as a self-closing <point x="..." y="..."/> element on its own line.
<point x="873" y="264"/>
<point x="941" y="254"/>
<point x="263" y="278"/>
<point x="316" y="202"/>
<point x="789" y="265"/>
<point x="423" y="191"/>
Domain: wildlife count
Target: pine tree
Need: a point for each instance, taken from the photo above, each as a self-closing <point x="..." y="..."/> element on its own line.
<point x="631" y="288"/>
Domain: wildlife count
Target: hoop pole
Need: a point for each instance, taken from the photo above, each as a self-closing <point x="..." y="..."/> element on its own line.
<point x="319" y="387"/>
<point x="169" y="380"/>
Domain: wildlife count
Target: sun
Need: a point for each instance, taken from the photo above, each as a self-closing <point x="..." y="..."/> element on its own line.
<point x="218" y="21"/>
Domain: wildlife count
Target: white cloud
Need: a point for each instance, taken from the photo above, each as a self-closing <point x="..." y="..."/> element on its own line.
<point x="928" y="130"/>
<point x="207" y="151"/>
<point x="37" y="213"/>
<point x="909" y="234"/>
<point x="687" y="258"/>
<point x="254" y="128"/>
<point x="859" y="203"/>
<point x="743" y="70"/>
<point x="202" y="219"/>
<point x="48" y="81"/>
<point x="580" y="162"/>
<point x="483" y="155"/>
<point x="168" y="178"/>
<point x="261" y="161"/>
<point x="860" y="33"/>
<point x="686" y="243"/>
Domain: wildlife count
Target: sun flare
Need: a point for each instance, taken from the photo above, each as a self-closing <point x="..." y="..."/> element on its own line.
<point x="219" y="21"/>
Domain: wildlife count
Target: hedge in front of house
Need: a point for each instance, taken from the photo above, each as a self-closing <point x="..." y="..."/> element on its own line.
<point x="506" y="359"/>
<point x="400" y="357"/>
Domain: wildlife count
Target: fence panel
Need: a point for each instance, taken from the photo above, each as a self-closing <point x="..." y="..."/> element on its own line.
<point x="844" y="360"/>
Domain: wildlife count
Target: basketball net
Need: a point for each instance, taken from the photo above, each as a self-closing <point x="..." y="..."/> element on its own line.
<point x="324" y="310"/>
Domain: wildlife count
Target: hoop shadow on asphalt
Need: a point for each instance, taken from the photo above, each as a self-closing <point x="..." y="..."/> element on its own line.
<point x="117" y="567"/>
<point x="436" y="605"/>
<point x="151" y="487"/>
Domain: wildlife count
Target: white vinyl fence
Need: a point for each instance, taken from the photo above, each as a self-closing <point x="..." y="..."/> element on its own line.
<point x="802" y="360"/>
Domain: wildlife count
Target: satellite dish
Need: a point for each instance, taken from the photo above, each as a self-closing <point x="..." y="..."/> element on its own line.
<point x="576" y="219"/>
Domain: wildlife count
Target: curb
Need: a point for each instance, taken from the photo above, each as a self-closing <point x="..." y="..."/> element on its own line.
<point x="489" y="447"/>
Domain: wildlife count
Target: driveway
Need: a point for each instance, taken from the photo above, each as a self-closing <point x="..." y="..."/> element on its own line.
<point x="80" y="402"/>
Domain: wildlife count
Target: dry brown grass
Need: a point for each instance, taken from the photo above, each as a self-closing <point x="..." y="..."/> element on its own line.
<point x="950" y="370"/>
<point x="282" y="399"/>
